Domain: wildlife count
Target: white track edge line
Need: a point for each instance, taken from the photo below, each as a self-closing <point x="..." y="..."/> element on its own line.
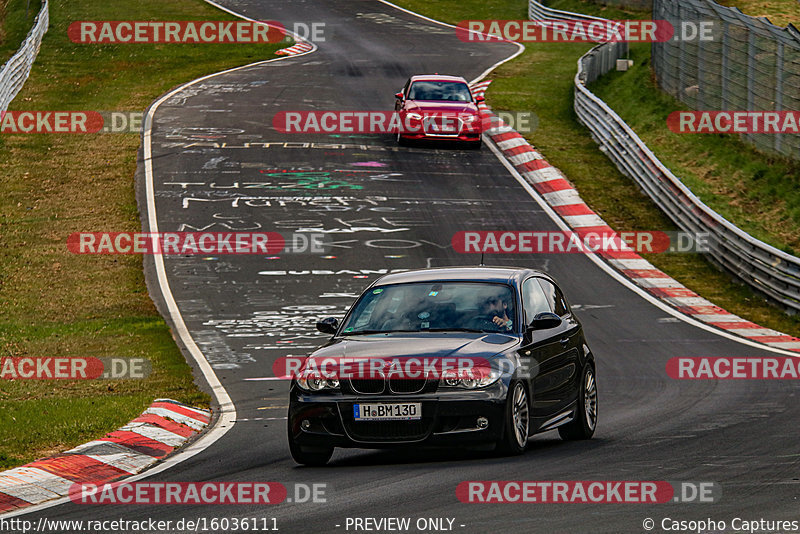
<point x="228" y="410"/>
<point x="618" y="276"/>
<point x="298" y="40"/>
<point x="520" y="46"/>
<point x="561" y="224"/>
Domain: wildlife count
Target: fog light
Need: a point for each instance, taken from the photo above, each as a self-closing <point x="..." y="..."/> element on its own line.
<point x="483" y="422"/>
<point x="305" y="424"/>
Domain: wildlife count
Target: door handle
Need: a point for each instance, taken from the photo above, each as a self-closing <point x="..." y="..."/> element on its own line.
<point x="564" y="342"/>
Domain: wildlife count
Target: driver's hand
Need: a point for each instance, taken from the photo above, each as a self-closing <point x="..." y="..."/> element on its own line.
<point x="499" y="321"/>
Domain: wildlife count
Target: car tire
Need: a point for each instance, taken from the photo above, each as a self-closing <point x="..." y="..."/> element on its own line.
<point x="517" y="421"/>
<point x="475" y="145"/>
<point x="314" y="457"/>
<point x="401" y="141"/>
<point x="585" y="421"/>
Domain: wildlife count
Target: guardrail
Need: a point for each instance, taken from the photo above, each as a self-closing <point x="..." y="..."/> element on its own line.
<point x="16" y="70"/>
<point x="764" y="267"/>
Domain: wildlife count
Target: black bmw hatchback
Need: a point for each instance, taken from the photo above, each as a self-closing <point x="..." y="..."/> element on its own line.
<point x="450" y="356"/>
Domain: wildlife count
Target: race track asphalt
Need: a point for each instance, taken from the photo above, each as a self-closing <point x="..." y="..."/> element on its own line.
<point x="389" y="207"/>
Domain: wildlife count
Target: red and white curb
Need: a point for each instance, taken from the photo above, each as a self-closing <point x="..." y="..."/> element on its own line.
<point x="564" y="199"/>
<point x="162" y="428"/>
<point x="294" y="50"/>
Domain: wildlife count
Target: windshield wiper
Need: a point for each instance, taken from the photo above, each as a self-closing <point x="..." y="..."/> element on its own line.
<point x="477" y="331"/>
<point x="364" y="332"/>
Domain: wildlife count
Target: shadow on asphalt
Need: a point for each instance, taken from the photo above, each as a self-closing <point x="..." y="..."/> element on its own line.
<point x="538" y="448"/>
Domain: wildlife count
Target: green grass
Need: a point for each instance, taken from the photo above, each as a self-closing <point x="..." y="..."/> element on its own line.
<point x="758" y="192"/>
<point x="16" y="25"/>
<point x="541" y="80"/>
<point x="779" y="12"/>
<point x="52" y="302"/>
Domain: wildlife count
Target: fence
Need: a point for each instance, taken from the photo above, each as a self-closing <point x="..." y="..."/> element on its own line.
<point x="769" y="270"/>
<point x="749" y="64"/>
<point x="16" y="70"/>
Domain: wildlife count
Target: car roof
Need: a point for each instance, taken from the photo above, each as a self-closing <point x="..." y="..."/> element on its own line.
<point x="437" y="78"/>
<point x="505" y="275"/>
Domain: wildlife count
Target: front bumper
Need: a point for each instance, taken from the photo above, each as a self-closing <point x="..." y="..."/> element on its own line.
<point x="467" y="137"/>
<point x="461" y="131"/>
<point x="448" y="417"/>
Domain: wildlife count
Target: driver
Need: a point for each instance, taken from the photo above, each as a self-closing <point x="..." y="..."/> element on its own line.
<point x="494" y="313"/>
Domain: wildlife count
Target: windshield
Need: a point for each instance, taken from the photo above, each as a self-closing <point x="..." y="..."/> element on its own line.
<point x="447" y="91"/>
<point x="441" y="306"/>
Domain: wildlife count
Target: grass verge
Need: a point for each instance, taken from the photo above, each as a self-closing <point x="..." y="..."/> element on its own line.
<point x="541" y="80"/>
<point x="757" y="192"/>
<point x="53" y="303"/>
<point x="779" y="12"/>
<point x="17" y="17"/>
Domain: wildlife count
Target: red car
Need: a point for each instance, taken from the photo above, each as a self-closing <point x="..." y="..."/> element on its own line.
<point x="436" y="107"/>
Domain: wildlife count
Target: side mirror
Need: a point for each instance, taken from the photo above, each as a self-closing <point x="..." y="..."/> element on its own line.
<point x="398" y="96"/>
<point x="545" y="321"/>
<point x="328" y="325"/>
<point x="479" y="99"/>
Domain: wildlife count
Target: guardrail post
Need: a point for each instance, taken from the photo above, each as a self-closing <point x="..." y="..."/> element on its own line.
<point x="680" y="90"/>
<point x="701" y="86"/>
<point x="778" y="90"/>
<point x="724" y="68"/>
<point x="751" y="74"/>
<point x="655" y="48"/>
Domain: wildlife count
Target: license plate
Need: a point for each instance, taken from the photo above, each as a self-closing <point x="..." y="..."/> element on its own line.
<point x="442" y="129"/>
<point x="405" y="411"/>
<point x="442" y="126"/>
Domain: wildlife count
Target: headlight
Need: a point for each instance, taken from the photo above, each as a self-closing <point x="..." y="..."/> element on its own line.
<point x="451" y="381"/>
<point x="315" y="382"/>
<point x="469" y="118"/>
<point x="415" y="116"/>
<point x="479" y="380"/>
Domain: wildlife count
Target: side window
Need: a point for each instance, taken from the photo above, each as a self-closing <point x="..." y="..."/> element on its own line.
<point x="534" y="299"/>
<point x="555" y="298"/>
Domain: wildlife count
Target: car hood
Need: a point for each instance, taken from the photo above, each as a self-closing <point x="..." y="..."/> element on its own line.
<point x="429" y="345"/>
<point x="427" y="106"/>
